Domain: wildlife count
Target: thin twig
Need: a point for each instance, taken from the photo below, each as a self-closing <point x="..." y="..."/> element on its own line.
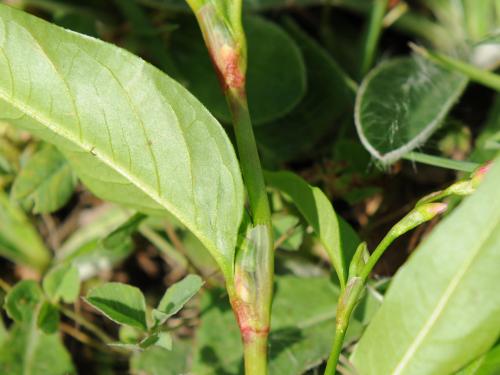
<point x="104" y="337"/>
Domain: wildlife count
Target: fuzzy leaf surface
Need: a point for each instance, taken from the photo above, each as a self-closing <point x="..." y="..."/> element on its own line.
<point x="401" y="103"/>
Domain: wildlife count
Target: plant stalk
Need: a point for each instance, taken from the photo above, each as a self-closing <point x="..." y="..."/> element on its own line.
<point x="249" y="158"/>
<point x="348" y="301"/>
<point x="251" y="285"/>
<point x="255" y="353"/>
<point x="475" y="74"/>
<point x="254" y="269"/>
<point x="373" y="33"/>
<point x="357" y="281"/>
<point x="438" y="161"/>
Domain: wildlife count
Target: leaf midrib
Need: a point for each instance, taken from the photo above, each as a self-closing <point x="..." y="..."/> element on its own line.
<point x="442" y="303"/>
<point x="59" y="130"/>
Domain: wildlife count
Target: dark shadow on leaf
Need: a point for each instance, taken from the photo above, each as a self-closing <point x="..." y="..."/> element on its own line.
<point x="283" y="338"/>
<point x="118" y="311"/>
<point x="210" y="358"/>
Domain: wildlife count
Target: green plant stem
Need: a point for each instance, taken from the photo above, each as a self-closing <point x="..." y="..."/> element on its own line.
<point x="358" y="278"/>
<point x="164" y="246"/>
<point x="250" y="286"/>
<point x="257" y="280"/>
<point x="347" y="303"/>
<point x="249" y="158"/>
<point x="373" y="34"/>
<point x="104" y="337"/>
<point x="375" y="256"/>
<point x="481" y="76"/>
<point x="255" y="352"/>
<point x="437" y="161"/>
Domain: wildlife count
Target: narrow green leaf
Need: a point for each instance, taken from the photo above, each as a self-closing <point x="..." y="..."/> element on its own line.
<point x="48" y="318"/>
<point x="451" y="279"/>
<point x="19" y="240"/>
<point x="133" y="135"/>
<point x="401" y="103"/>
<point x="441" y="162"/>
<point x="123" y="304"/>
<point x="318" y="212"/>
<point x="176" y="297"/>
<point x="62" y="283"/>
<point x="46" y="182"/>
<point x="22" y="299"/>
<point x="372" y="34"/>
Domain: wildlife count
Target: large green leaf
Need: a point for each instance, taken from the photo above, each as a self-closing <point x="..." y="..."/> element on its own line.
<point x="443" y="307"/>
<point x="273" y="88"/>
<point x="46" y="182"/>
<point x="318" y="212"/>
<point x="401" y="103"/>
<point x="132" y="134"/>
<point x="19" y="240"/>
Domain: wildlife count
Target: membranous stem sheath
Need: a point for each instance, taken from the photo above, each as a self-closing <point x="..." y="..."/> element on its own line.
<point x="250" y="289"/>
